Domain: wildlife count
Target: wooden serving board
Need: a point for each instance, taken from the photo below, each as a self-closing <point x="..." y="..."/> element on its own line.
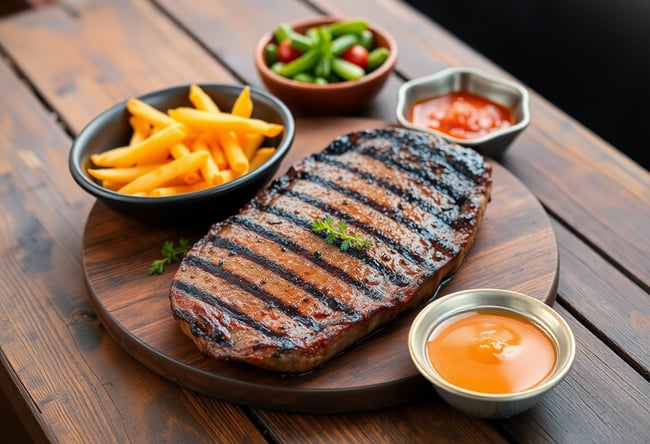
<point x="515" y="249"/>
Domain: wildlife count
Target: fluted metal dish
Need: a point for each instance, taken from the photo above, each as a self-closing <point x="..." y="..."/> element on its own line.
<point x="489" y="405"/>
<point x="500" y="91"/>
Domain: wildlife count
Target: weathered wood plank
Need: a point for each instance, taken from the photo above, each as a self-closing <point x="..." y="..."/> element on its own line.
<point x="423" y="422"/>
<point x="85" y="385"/>
<point x="606" y="300"/>
<point x="78" y="381"/>
<point x="81" y="65"/>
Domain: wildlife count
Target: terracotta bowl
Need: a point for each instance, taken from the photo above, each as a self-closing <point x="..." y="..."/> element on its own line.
<point x="111" y="129"/>
<point x="342" y="98"/>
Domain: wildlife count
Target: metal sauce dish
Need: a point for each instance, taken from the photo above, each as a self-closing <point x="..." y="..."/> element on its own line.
<point x="503" y="92"/>
<point x="490" y="405"/>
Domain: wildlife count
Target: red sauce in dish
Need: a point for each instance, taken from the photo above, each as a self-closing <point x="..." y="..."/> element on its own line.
<point x="491" y="352"/>
<point x="460" y="114"/>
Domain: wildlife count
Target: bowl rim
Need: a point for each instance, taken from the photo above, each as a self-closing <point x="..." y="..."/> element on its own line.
<point x="402" y="104"/>
<point x="416" y="343"/>
<point x="95" y="189"/>
<point x="387" y="66"/>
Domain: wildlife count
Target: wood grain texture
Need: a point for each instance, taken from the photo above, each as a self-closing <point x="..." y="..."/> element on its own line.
<point x="82" y="65"/>
<point x="619" y="307"/>
<point x="427" y="421"/>
<point x="515" y="249"/>
<point x="68" y="376"/>
<point x="71" y="382"/>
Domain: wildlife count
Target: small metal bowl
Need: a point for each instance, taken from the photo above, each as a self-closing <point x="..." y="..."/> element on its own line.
<point x="508" y="94"/>
<point x="489" y="405"/>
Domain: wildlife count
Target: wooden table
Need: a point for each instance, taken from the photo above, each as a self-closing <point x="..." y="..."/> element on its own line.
<point x="68" y="380"/>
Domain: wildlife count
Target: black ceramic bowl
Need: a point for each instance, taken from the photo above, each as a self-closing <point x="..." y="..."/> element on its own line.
<point x="111" y="129"/>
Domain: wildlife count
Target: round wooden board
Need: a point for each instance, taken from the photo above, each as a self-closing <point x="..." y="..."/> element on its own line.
<point x="515" y="249"/>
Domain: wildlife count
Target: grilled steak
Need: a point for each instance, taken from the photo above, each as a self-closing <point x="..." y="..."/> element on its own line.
<point x="262" y="287"/>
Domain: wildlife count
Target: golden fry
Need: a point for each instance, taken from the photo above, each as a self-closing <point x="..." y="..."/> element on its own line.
<point x="165" y="173"/>
<point x="250" y="142"/>
<point x="113" y="186"/>
<point x="217" y="152"/>
<point x="148" y="113"/>
<point x="178" y="181"/>
<point x="222" y="122"/>
<point x="101" y="159"/>
<point x="201" y="100"/>
<point x="192" y="178"/>
<point x="179" y="150"/>
<point x="261" y="156"/>
<point x="150" y="150"/>
<point x="209" y="169"/>
<point x="179" y="189"/>
<point x="228" y="175"/>
<point x="236" y="158"/>
<point x="141" y="130"/>
<point x="243" y="105"/>
<point x="121" y="175"/>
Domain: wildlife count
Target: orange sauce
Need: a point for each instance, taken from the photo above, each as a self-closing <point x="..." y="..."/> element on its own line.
<point x="491" y="352"/>
<point x="460" y="114"/>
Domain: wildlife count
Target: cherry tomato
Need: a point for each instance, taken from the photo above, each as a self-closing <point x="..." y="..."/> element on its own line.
<point x="356" y="54"/>
<point x="286" y="52"/>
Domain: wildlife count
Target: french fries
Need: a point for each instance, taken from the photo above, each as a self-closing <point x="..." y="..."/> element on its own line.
<point x="233" y="151"/>
<point x="153" y="149"/>
<point x="185" y="149"/>
<point x="209" y="168"/>
<point x="220" y="122"/>
<point x="167" y="172"/>
<point x="243" y="106"/>
<point x="201" y="100"/>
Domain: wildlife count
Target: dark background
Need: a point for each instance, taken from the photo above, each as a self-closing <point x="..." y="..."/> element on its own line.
<point x="590" y="58"/>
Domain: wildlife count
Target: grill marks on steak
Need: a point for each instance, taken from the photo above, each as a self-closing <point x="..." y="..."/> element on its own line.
<point x="262" y="288"/>
<point x="385" y="207"/>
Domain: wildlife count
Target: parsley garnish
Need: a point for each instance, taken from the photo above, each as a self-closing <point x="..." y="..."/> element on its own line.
<point x="171" y="254"/>
<point x="339" y="232"/>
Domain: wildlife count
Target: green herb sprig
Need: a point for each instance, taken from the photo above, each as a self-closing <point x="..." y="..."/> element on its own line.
<point x="171" y="254"/>
<point x="339" y="232"/>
